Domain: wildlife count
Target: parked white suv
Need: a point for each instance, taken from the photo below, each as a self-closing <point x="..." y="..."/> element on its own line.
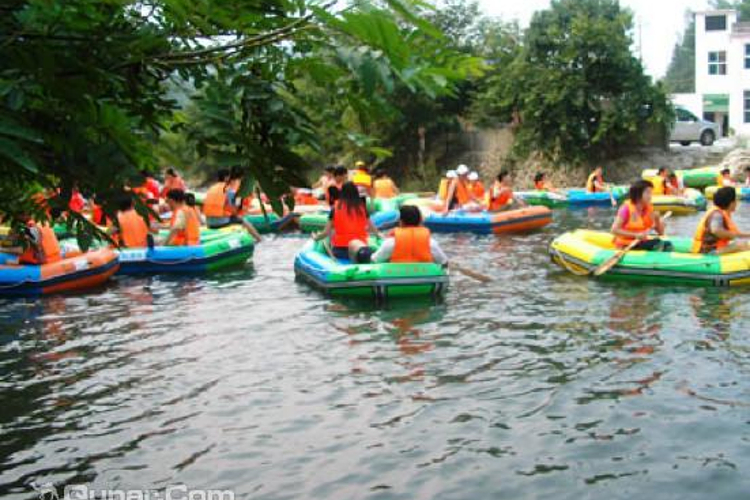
<point x="689" y="128"/>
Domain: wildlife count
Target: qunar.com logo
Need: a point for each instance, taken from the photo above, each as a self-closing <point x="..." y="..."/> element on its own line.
<point x="50" y="491"/>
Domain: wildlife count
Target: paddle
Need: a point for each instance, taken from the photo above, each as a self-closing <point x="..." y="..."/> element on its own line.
<point x="468" y="272"/>
<point x="328" y="250"/>
<point x="616" y="258"/>
<point x="611" y="197"/>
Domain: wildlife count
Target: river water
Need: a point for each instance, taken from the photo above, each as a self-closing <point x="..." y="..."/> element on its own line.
<point x="537" y="385"/>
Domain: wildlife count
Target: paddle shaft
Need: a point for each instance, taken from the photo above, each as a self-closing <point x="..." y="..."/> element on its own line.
<point x="468" y="272"/>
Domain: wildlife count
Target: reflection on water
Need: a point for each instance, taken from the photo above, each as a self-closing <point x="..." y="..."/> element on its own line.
<point x="539" y="384"/>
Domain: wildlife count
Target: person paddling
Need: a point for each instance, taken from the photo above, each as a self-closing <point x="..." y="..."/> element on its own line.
<point x="219" y="205"/>
<point x="717" y="231"/>
<point x="348" y="225"/>
<point x="42" y="244"/>
<point x="411" y="242"/>
<point x="476" y="187"/>
<point x="459" y="195"/>
<point x="185" y="229"/>
<point x="637" y="218"/>
<point x="595" y="182"/>
<point x="501" y="197"/>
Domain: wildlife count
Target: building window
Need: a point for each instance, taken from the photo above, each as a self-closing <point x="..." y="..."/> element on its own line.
<point x="717" y="63"/>
<point x="716" y="23"/>
<point x="747" y="106"/>
<point x="747" y="56"/>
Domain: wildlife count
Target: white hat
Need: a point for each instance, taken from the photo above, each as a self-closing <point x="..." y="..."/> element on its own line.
<point x="473" y="176"/>
<point x="462" y="170"/>
<point x="451" y="174"/>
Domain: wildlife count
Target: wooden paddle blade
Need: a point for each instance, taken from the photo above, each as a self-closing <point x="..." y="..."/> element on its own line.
<point x="471" y="274"/>
<point x="614" y="260"/>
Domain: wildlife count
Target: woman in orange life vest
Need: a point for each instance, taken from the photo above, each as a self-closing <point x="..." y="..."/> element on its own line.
<point x="459" y="195"/>
<point x="186" y="226"/>
<point x="542" y="184"/>
<point x="716" y="231"/>
<point x="347" y="226"/>
<point x="383" y="186"/>
<point x="595" y="182"/>
<point x="725" y="179"/>
<point x="131" y="230"/>
<point x="172" y="181"/>
<point x="42" y="246"/>
<point x="333" y="192"/>
<point x="500" y="196"/>
<point x="636" y="218"/>
<point x="219" y="204"/>
<point x="411" y="242"/>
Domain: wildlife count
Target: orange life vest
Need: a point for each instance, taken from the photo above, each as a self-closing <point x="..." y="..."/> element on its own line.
<point x="496" y="203"/>
<point x="700" y="245"/>
<point x="48" y="249"/>
<point x="636" y="223"/>
<point x="173" y="183"/>
<point x="591" y="185"/>
<point x="214" y="204"/>
<point x="443" y="188"/>
<point x="412" y="245"/>
<point x="191" y="235"/>
<point x="133" y="230"/>
<point x="461" y="193"/>
<point x="348" y="226"/>
<point x="305" y="198"/>
<point x="383" y="188"/>
<point x="477" y="189"/>
<point x="540" y="185"/>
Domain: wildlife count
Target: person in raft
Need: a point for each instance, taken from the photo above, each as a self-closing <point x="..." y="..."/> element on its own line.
<point x="333" y="193"/>
<point x="445" y="182"/>
<point x="42" y="246"/>
<point x="383" y="186"/>
<point x="675" y="186"/>
<point x="219" y="205"/>
<point x="325" y="180"/>
<point x="660" y="182"/>
<point x="725" y="178"/>
<point x="185" y="228"/>
<point x="172" y="180"/>
<point x="362" y="179"/>
<point x="348" y="224"/>
<point x="595" y="182"/>
<point x="500" y="196"/>
<point x="131" y="230"/>
<point x="716" y="231"/>
<point x="459" y="195"/>
<point x="636" y="219"/>
<point x="411" y="242"/>
<point x="747" y="176"/>
<point x="476" y="187"/>
<point x="542" y="184"/>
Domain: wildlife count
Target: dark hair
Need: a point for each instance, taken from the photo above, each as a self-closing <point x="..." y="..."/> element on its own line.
<point x="340" y="171"/>
<point x="177" y="195"/>
<point x="723" y="197"/>
<point x="190" y="199"/>
<point x="637" y="189"/>
<point x="502" y="175"/>
<point x="672" y="175"/>
<point x="350" y="198"/>
<point x="539" y="177"/>
<point x="380" y="172"/>
<point x="145" y="173"/>
<point x="330" y="169"/>
<point x="171" y="171"/>
<point x="125" y="203"/>
<point x="410" y="215"/>
<point x="661" y="170"/>
<point x="222" y="174"/>
<point x="726" y="171"/>
<point x="236" y="173"/>
<point x="747" y="169"/>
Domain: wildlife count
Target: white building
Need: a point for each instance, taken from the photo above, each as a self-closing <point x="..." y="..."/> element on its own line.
<point x="722" y="71"/>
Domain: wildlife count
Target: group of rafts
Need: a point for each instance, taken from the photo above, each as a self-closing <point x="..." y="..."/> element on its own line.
<point x="462" y="204"/>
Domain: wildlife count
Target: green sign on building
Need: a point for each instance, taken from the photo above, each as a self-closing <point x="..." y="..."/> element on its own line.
<point x="715" y="103"/>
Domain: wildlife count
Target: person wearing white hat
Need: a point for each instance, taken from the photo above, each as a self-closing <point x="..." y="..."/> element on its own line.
<point x="476" y="188"/>
<point x="442" y="191"/>
<point x="459" y="194"/>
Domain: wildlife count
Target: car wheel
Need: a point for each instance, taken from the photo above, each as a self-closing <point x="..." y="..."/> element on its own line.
<point x="685" y="143"/>
<point x="707" y="138"/>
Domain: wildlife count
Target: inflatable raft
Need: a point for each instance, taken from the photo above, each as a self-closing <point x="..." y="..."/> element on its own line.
<point x="310" y="223"/>
<point x="510" y="221"/>
<point x="743" y="193"/>
<point x="570" y="198"/>
<point x="694" y="178"/>
<point x="582" y="251"/>
<point x="691" y="202"/>
<point x="83" y="271"/>
<point x="378" y="281"/>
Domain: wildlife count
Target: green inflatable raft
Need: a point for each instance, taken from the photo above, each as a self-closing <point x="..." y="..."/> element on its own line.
<point x="373" y="281"/>
<point x="694" y="178"/>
